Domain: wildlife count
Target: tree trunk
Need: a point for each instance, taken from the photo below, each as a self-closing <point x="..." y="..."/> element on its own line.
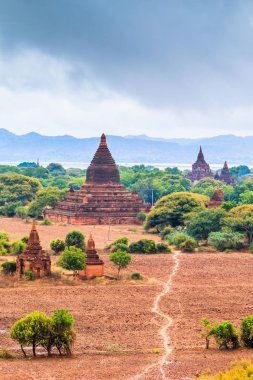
<point x="34" y="349"/>
<point x="118" y="272"/>
<point x="24" y="353"/>
<point x="207" y="343"/>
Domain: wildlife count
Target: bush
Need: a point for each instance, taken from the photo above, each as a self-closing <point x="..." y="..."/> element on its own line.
<point x="5" y="354"/>
<point x="177" y="238"/>
<point x="141" y="216"/>
<point x="119" y="247"/>
<point x="57" y="245"/>
<point x="143" y="246"/>
<point x="9" y="267"/>
<point x="17" y="247"/>
<point x="75" y="239"/>
<point x="136" y="276"/>
<point x="3" y="250"/>
<point x="247" y="331"/>
<point x="4" y="236"/>
<point x="163" y="248"/>
<point x="21" y="211"/>
<point x="46" y="222"/>
<point x="120" y="259"/>
<point x="25" y="239"/>
<point x="188" y="245"/>
<point x="250" y="248"/>
<point x="226" y="240"/>
<point x="166" y="231"/>
<point x="29" y="275"/>
<point x="239" y="371"/>
<point x="225" y="335"/>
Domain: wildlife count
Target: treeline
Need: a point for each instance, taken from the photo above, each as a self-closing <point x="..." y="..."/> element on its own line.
<point x="25" y="190"/>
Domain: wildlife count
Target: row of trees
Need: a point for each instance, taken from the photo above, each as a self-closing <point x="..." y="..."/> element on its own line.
<point x="37" y="329"/>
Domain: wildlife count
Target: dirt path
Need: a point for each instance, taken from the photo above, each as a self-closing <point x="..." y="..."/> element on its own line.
<point x="168" y="347"/>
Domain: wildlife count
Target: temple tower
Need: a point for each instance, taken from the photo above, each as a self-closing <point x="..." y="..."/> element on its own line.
<point x="200" y="169"/>
<point x="94" y="265"/>
<point x="225" y="175"/>
<point x="217" y="199"/>
<point x="34" y="258"/>
<point x="102" y="199"/>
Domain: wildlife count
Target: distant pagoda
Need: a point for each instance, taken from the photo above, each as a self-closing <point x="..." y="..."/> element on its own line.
<point x="200" y="169"/>
<point x="34" y="258"/>
<point x="217" y="199"/>
<point x="94" y="265"/>
<point x="102" y="199"/>
<point x="225" y="175"/>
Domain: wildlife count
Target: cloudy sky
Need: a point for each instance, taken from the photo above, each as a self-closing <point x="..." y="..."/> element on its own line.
<point x="165" y="68"/>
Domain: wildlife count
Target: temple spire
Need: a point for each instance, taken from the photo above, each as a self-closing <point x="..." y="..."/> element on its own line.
<point x="103" y="140"/>
<point x="200" y="155"/>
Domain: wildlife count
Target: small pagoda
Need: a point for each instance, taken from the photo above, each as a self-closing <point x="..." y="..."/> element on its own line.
<point x="217" y="199"/>
<point x="102" y="199"/>
<point x="34" y="258"/>
<point x="200" y="169"/>
<point x="225" y="175"/>
<point x="94" y="265"/>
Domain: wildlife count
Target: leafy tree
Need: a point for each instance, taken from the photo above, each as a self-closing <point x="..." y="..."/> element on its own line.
<point x="173" y="209"/>
<point x="57" y="245"/>
<point x="227" y="206"/>
<point x="247" y="197"/>
<point x="247" y="331"/>
<point x="64" y="334"/>
<point x="120" y="259"/>
<point x="21" y="211"/>
<point x="72" y="258"/>
<point x="9" y="267"/>
<point x="238" y="171"/>
<point x="177" y="238"/>
<point x="75" y="239"/>
<point x="239" y="370"/>
<point x="225" y="335"/>
<point x="199" y="225"/>
<point x="240" y="219"/>
<point x="56" y="169"/>
<point x="17" y="247"/>
<point x="141" y="216"/>
<point x="143" y="246"/>
<point x="47" y="197"/>
<point x="226" y="240"/>
<point x="188" y="245"/>
<point x="31" y="330"/>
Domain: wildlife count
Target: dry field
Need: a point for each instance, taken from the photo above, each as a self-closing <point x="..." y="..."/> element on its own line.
<point x="117" y="330"/>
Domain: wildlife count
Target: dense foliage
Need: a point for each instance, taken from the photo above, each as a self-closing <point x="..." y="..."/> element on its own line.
<point x="242" y="370"/>
<point x="73" y="259"/>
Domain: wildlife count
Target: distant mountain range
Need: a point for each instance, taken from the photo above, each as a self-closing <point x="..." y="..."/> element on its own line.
<point x="128" y="149"/>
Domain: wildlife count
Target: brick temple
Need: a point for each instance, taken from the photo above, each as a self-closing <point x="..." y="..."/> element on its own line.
<point x="102" y="199"/>
<point x="225" y="176"/>
<point x="217" y="199"/>
<point x="34" y="258"/>
<point x="200" y="169"/>
<point x="94" y="265"/>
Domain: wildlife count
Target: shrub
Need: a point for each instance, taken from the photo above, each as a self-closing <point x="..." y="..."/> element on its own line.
<point x="250" y="248"/>
<point x="5" y="354"/>
<point x="21" y="211"/>
<point x="57" y="245"/>
<point x="9" y="267"/>
<point x="177" y="238"/>
<point x="3" y="250"/>
<point x="25" y="239"/>
<point x="119" y="247"/>
<point x="225" y="335"/>
<point x="143" y="246"/>
<point x="163" y="248"/>
<point x="141" y="216"/>
<point x="188" y="245"/>
<point x="247" y="331"/>
<point x="136" y="276"/>
<point x="4" y="236"/>
<point x="17" y="247"/>
<point x="75" y="239"/>
<point x="120" y="259"/>
<point x="29" y="275"/>
<point x="166" y="231"/>
<point x="46" y="222"/>
<point x="226" y="240"/>
<point x="239" y="371"/>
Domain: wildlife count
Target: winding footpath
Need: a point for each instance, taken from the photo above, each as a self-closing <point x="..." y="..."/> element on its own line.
<point x="165" y="327"/>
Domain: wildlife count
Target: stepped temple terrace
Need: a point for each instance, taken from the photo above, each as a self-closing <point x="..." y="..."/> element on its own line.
<point x="34" y="258"/>
<point x="102" y="199"/>
<point x="94" y="265"/>
<point x="200" y="169"/>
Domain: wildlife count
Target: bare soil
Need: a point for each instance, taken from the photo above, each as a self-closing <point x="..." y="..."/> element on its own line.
<point x="116" y="330"/>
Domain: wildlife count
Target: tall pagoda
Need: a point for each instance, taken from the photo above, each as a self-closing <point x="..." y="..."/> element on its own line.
<point x="225" y="175"/>
<point x="200" y="169"/>
<point x="102" y="199"/>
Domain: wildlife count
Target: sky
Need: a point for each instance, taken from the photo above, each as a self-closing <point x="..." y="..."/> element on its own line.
<point x="164" y="68"/>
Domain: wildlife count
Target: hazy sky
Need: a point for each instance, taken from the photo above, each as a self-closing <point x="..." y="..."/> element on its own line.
<point x="167" y="68"/>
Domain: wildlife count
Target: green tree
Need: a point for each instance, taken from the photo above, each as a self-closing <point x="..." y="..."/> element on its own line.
<point x="222" y="240"/>
<point x="120" y="259"/>
<point x="240" y="219"/>
<point x="75" y="238"/>
<point x="225" y="335"/>
<point x="47" y="197"/>
<point x="9" y="267"/>
<point x="72" y="258"/>
<point x="247" y="331"/>
<point x="173" y="209"/>
<point x="200" y="224"/>
<point x="57" y="245"/>
<point x="56" y="169"/>
<point x="31" y="330"/>
<point x="64" y="333"/>
<point x="143" y="246"/>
